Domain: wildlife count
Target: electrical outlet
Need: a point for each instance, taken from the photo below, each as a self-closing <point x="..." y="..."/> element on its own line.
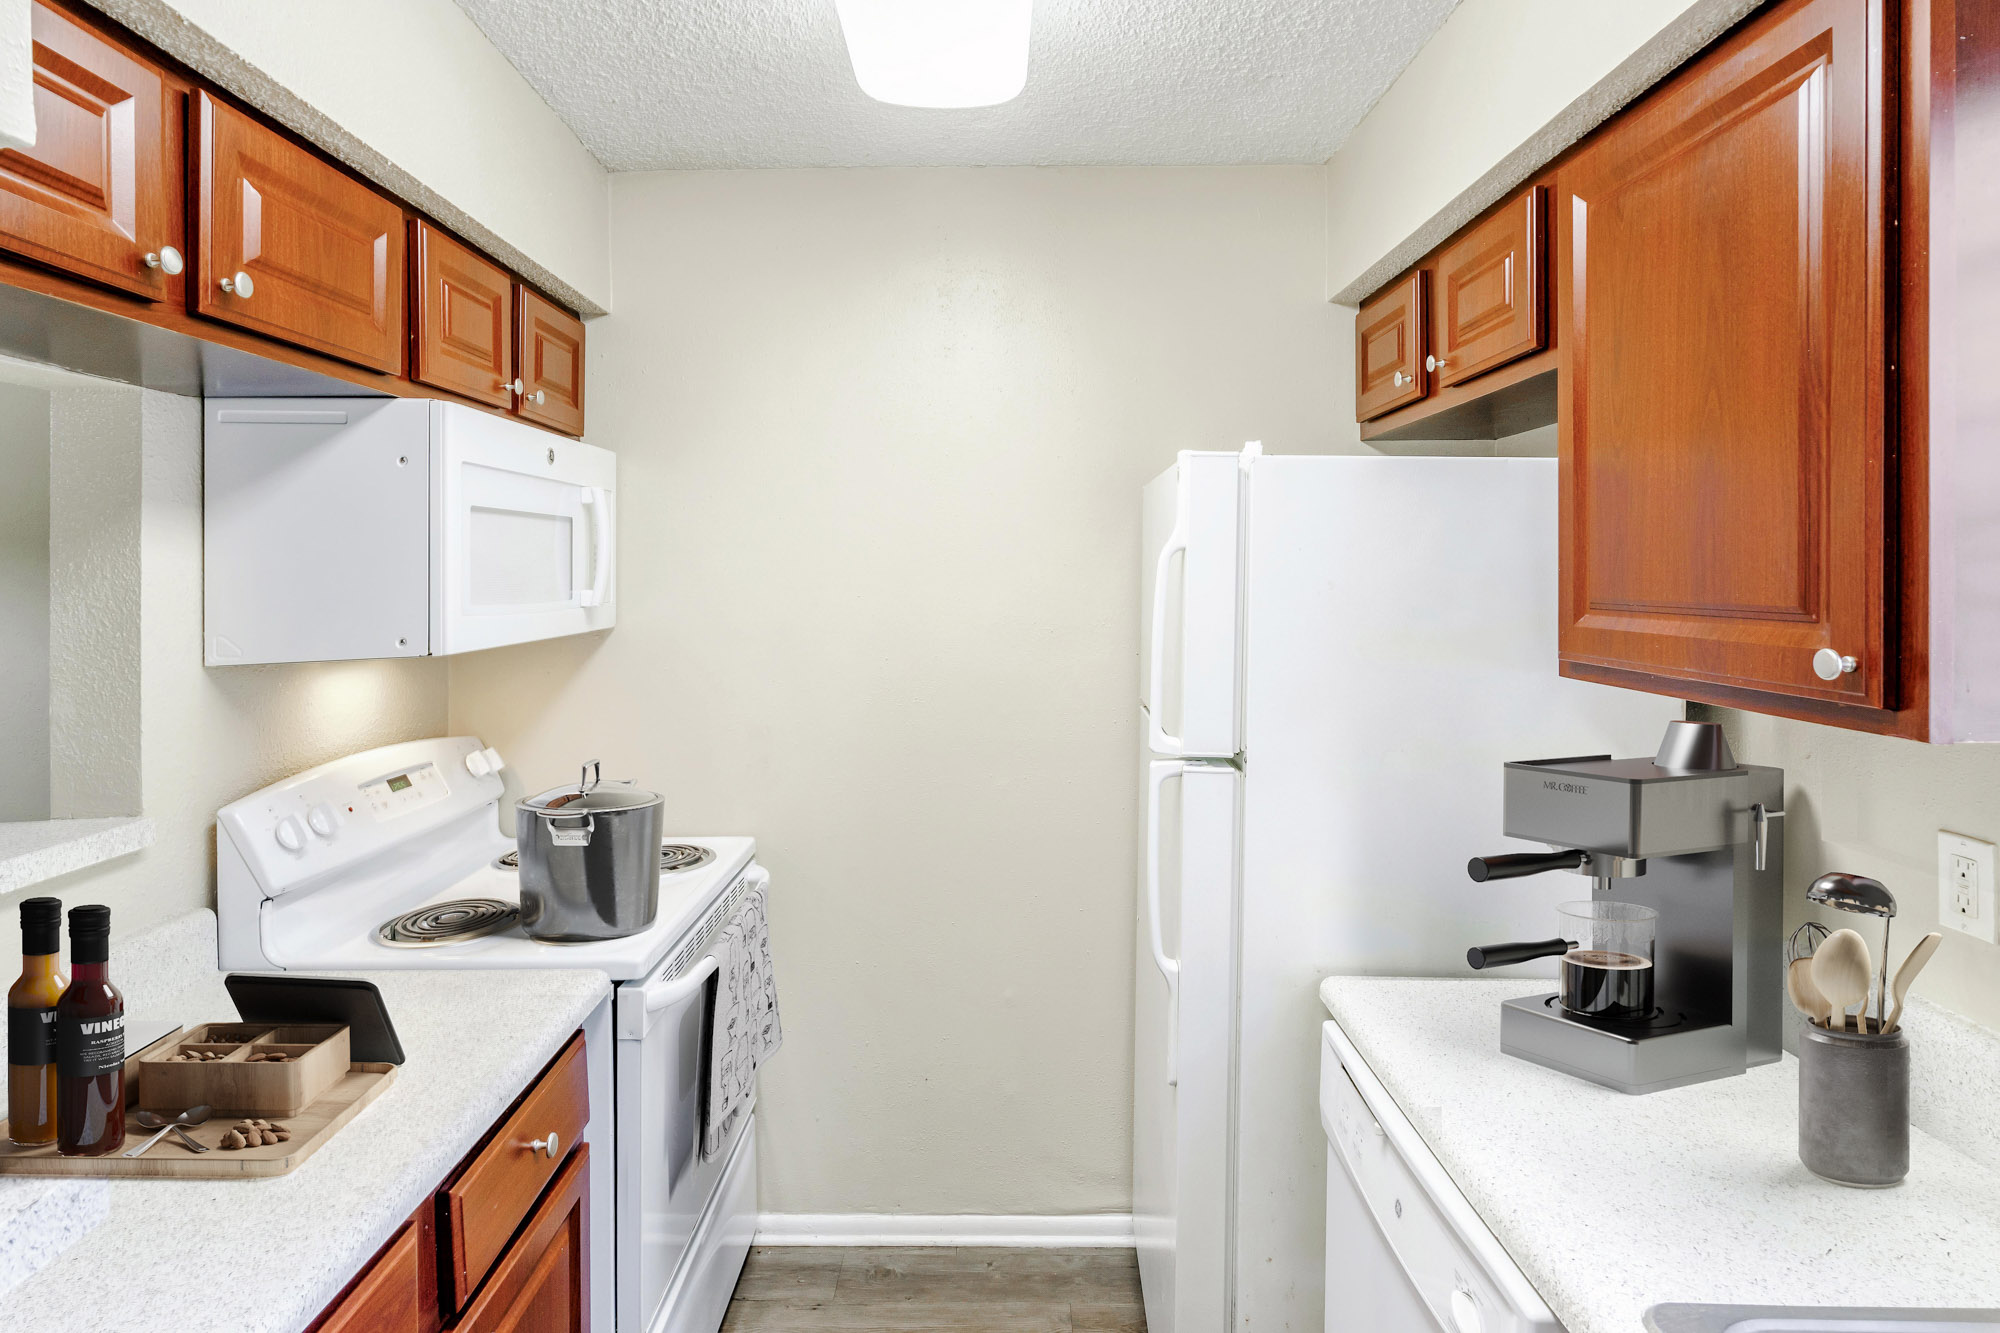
<point x="1965" y="886"/>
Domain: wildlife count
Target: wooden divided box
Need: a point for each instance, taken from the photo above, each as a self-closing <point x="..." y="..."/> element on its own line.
<point x="242" y="1079"/>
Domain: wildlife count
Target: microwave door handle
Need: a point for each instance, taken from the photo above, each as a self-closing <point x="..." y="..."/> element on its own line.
<point x="680" y="989"/>
<point x="1160" y="771"/>
<point x="598" y="500"/>
<point x="1156" y="687"/>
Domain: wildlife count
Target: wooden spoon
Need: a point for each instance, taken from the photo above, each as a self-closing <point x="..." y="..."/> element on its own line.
<point x="1805" y="996"/>
<point x="1841" y="969"/>
<point x="1907" y="973"/>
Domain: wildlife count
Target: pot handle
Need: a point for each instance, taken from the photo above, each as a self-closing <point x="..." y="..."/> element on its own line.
<point x="572" y="836"/>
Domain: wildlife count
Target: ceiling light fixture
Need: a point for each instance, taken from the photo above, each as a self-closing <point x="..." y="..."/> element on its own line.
<point x="938" y="53"/>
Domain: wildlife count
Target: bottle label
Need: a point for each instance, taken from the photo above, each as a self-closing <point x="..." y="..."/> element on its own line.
<point x="87" y="1047"/>
<point x="31" y="1036"/>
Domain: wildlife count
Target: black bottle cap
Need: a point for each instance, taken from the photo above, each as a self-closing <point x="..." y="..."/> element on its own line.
<point x="89" y="934"/>
<point x="41" y="926"/>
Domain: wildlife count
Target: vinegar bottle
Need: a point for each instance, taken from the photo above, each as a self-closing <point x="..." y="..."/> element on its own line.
<point x="90" y="1043"/>
<point x="31" y="1025"/>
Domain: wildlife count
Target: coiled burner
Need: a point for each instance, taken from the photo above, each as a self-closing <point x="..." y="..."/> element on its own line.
<point x="447" y="923"/>
<point x="673" y="856"/>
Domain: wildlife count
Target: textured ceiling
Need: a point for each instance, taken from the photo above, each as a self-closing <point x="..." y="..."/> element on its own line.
<point x="650" y="84"/>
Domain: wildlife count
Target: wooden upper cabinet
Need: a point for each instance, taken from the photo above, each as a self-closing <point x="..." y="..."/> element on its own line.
<point x="462" y="319"/>
<point x="1389" y="348"/>
<point x="551" y="362"/>
<point x="542" y="1282"/>
<point x="1490" y="292"/>
<point x="97" y="196"/>
<point x="1723" y="444"/>
<point x="323" y="252"/>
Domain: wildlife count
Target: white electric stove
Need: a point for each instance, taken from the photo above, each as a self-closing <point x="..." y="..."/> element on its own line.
<point x="393" y="858"/>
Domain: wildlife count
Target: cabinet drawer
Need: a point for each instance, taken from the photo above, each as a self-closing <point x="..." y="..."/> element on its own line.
<point x="323" y="252"/>
<point x="96" y="194"/>
<point x="1389" y="348"/>
<point x="1490" y="292"/>
<point x="542" y="1283"/>
<point x="462" y="319"/>
<point x="551" y="364"/>
<point x="389" y="1296"/>
<point x="499" y="1184"/>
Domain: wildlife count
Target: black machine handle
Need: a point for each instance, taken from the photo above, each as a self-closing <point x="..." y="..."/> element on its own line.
<point x="1481" y="956"/>
<point x="1513" y="865"/>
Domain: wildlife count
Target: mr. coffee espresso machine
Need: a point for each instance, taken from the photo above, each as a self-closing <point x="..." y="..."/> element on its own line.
<point x="1672" y="970"/>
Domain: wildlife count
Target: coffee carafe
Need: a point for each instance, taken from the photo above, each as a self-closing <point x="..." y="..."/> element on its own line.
<point x="1677" y="977"/>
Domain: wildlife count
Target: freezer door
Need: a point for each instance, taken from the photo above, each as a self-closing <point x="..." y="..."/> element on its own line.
<point x="1185" y="987"/>
<point x="1190" y="603"/>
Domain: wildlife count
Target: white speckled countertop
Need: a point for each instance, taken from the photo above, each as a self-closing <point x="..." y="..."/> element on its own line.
<point x="1612" y="1203"/>
<point x="265" y="1256"/>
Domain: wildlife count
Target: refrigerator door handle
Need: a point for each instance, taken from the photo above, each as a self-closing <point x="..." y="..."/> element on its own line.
<point x="1159" y="772"/>
<point x="1156" y="683"/>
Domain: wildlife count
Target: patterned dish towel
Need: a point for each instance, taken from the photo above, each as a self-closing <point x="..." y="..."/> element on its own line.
<point x="745" y="1033"/>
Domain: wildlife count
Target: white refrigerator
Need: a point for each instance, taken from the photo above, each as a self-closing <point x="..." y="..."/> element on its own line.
<point x="1338" y="655"/>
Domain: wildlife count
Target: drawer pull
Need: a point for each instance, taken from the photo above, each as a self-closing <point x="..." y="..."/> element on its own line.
<point x="546" y="1147"/>
<point x="240" y="285"/>
<point x="166" y="259"/>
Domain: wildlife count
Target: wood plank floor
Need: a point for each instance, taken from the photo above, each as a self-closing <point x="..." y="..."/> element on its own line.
<point x="812" y="1289"/>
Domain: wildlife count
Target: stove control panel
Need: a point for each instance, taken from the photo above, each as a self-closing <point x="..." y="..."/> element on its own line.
<point x="326" y="818"/>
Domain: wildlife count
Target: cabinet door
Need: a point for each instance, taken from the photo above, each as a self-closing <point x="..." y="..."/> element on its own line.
<point x="1389" y="349"/>
<point x="542" y="1282"/>
<point x="463" y="319"/>
<point x="323" y="252"/>
<point x="1722" y="422"/>
<point x="389" y="1296"/>
<point x="1490" y="302"/>
<point x="95" y="195"/>
<point x="551" y="364"/>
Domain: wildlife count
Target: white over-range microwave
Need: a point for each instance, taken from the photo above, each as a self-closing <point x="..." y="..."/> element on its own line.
<point x="341" y="528"/>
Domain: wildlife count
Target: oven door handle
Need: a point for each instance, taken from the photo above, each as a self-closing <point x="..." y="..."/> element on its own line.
<point x="681" y="988"/>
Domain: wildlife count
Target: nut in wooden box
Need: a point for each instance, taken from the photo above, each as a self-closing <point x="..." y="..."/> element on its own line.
<point x="251" y="1069"/>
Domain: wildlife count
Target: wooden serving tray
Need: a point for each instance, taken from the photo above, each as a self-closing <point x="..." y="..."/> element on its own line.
<point x="310" y="1128"/>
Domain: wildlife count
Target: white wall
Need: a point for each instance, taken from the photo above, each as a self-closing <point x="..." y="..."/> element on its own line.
<point x="24" y="602"/>
<point x="411" y="94"/>
<point x="207" y="735"/>
<point x="881" y="436"/>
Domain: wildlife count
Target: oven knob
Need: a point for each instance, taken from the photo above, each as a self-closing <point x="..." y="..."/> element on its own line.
<point x="1465" y="1312"/>
<point x="477" y="765"/>
<point x="291" y="834"/>
<point x="322" y="820"/>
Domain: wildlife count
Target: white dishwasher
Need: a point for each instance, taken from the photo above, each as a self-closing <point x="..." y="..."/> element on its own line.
<point x="1405" y="1253"/>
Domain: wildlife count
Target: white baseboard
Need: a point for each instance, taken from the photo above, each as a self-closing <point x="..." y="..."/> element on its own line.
<point x="1108" y="1230"/>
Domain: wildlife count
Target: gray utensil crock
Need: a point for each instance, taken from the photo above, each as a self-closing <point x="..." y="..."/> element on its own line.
<point x="1854" y="1106"/>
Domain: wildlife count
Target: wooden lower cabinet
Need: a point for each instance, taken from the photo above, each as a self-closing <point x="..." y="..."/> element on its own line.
<point x="541" y="1284"/>
<point x="98" y="195"/>
<point x="1724" y="445"/>
<point x="390" y="1297"/>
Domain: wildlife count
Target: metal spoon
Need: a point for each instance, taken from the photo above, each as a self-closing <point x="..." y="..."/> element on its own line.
<point x="194" y="1115"/>
<point x="1907" y="973"/>
<point x="1841" y="970"/>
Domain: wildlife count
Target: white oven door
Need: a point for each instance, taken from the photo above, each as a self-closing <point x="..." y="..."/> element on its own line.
<point x="664" y="1185"/>
<point x="524" y="546"/>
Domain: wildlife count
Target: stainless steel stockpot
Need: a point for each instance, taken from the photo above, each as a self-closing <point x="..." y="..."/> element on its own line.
<point x="590" y="860"/>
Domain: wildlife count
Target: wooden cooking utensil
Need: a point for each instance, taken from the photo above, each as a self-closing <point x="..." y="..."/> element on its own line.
<point x="1907" y="973"/>
<point x="1841" y="969"/>
<point x="1805" y="996"/>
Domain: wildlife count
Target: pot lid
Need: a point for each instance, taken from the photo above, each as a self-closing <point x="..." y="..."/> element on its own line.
<point x="589" y="796"/>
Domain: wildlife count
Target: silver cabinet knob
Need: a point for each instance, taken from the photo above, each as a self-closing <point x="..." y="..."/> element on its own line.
<point x="538" y="397"/>
<point x="166" y="259"/>
<point x="1433" y="363"/>
<point x="1829" y="665"/>
<point x="240" y="285"/>
<point x="546" y="1147"/>
<point x="1402" y="379"/>
<point x="514" y="385"/>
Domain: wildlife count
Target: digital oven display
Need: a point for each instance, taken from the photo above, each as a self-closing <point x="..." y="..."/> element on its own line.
<point x="401" y="782"/>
